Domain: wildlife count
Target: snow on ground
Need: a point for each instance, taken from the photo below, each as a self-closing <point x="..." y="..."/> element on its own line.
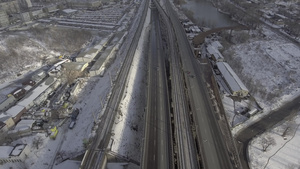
<point x="68" y="164"/>
<point x="269" y="68"/>
<point x="25" y="51"/>
<point x="93" y="95"/>
<point x="284" y="151"/>
<point x="233" y="118"/>
<point x="127" y="137"/>
<point x="69" y="143"/>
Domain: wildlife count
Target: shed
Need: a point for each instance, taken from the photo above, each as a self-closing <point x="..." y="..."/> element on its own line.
<point x="19" y="93"/>
<point x="7" y="102"/>
<point x="234" y="83"/>
<point x="17" y="153"/>
<point x="20" y="151"/>
<point x="16" y="112"/>
<point x="24" y="124"/>
<point x="7" y="120"/>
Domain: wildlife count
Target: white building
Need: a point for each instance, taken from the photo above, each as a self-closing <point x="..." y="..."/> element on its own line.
<point x="234" y="83"/>
<point x="29" y="99"/>
<point x="10" y="154"/>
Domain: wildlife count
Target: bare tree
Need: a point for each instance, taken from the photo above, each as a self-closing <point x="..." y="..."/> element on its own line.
<point x="266" y="142"/>
<point x="70" y="75"/>
<point x="37" y="142"/>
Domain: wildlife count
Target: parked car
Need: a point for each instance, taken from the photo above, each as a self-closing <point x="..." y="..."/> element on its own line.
<point x="74" y="114"/>
<point x="72" y="124"/>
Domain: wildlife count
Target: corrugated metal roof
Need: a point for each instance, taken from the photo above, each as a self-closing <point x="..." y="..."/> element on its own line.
<point x="15" y="110"/>
<point x="231" y="78"/>
<point x="213" y="51"/>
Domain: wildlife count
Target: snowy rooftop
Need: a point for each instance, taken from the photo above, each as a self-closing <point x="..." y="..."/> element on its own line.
<point x="24" y="124"/>
<point x="17" y="150"/>
<point x="101" y="59"/>
<point x="231" y="78"/>
<point x="5" y="151"/>
<point x="91" y="53"/>
<point x="4" y="117"/>
<point x="75" y="65"/>
<point x="216" y="45"/>
<point x="15" y="110"/>
<point x="213" y="51"/>
<point x="29" y="98"/>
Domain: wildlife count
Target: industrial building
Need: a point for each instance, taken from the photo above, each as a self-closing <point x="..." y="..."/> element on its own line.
<point x="16" y="112"/>
<point x="236" y="86"/>
<point x="214" y="54"/>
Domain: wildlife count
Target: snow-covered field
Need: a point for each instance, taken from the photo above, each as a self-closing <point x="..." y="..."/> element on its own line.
<point x="128" y="125"/>
<point x="24" y="51"/>
<point x="269" y="67"/>
<point x="284" y="149"/>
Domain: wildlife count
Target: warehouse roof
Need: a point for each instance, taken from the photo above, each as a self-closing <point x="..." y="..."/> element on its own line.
<point x="230" y="77"/>
<point x="15" y="110"/>
<point x="213" y="51"/>
<point x="29" y="98"/>
<point x="75" y="66"/>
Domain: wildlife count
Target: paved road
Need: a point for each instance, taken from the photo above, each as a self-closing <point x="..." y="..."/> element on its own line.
<point x="263" y="124"/>
<point x="157" y="149"/>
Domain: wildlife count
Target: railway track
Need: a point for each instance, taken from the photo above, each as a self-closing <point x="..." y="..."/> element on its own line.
<point x="95" y="156"/>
